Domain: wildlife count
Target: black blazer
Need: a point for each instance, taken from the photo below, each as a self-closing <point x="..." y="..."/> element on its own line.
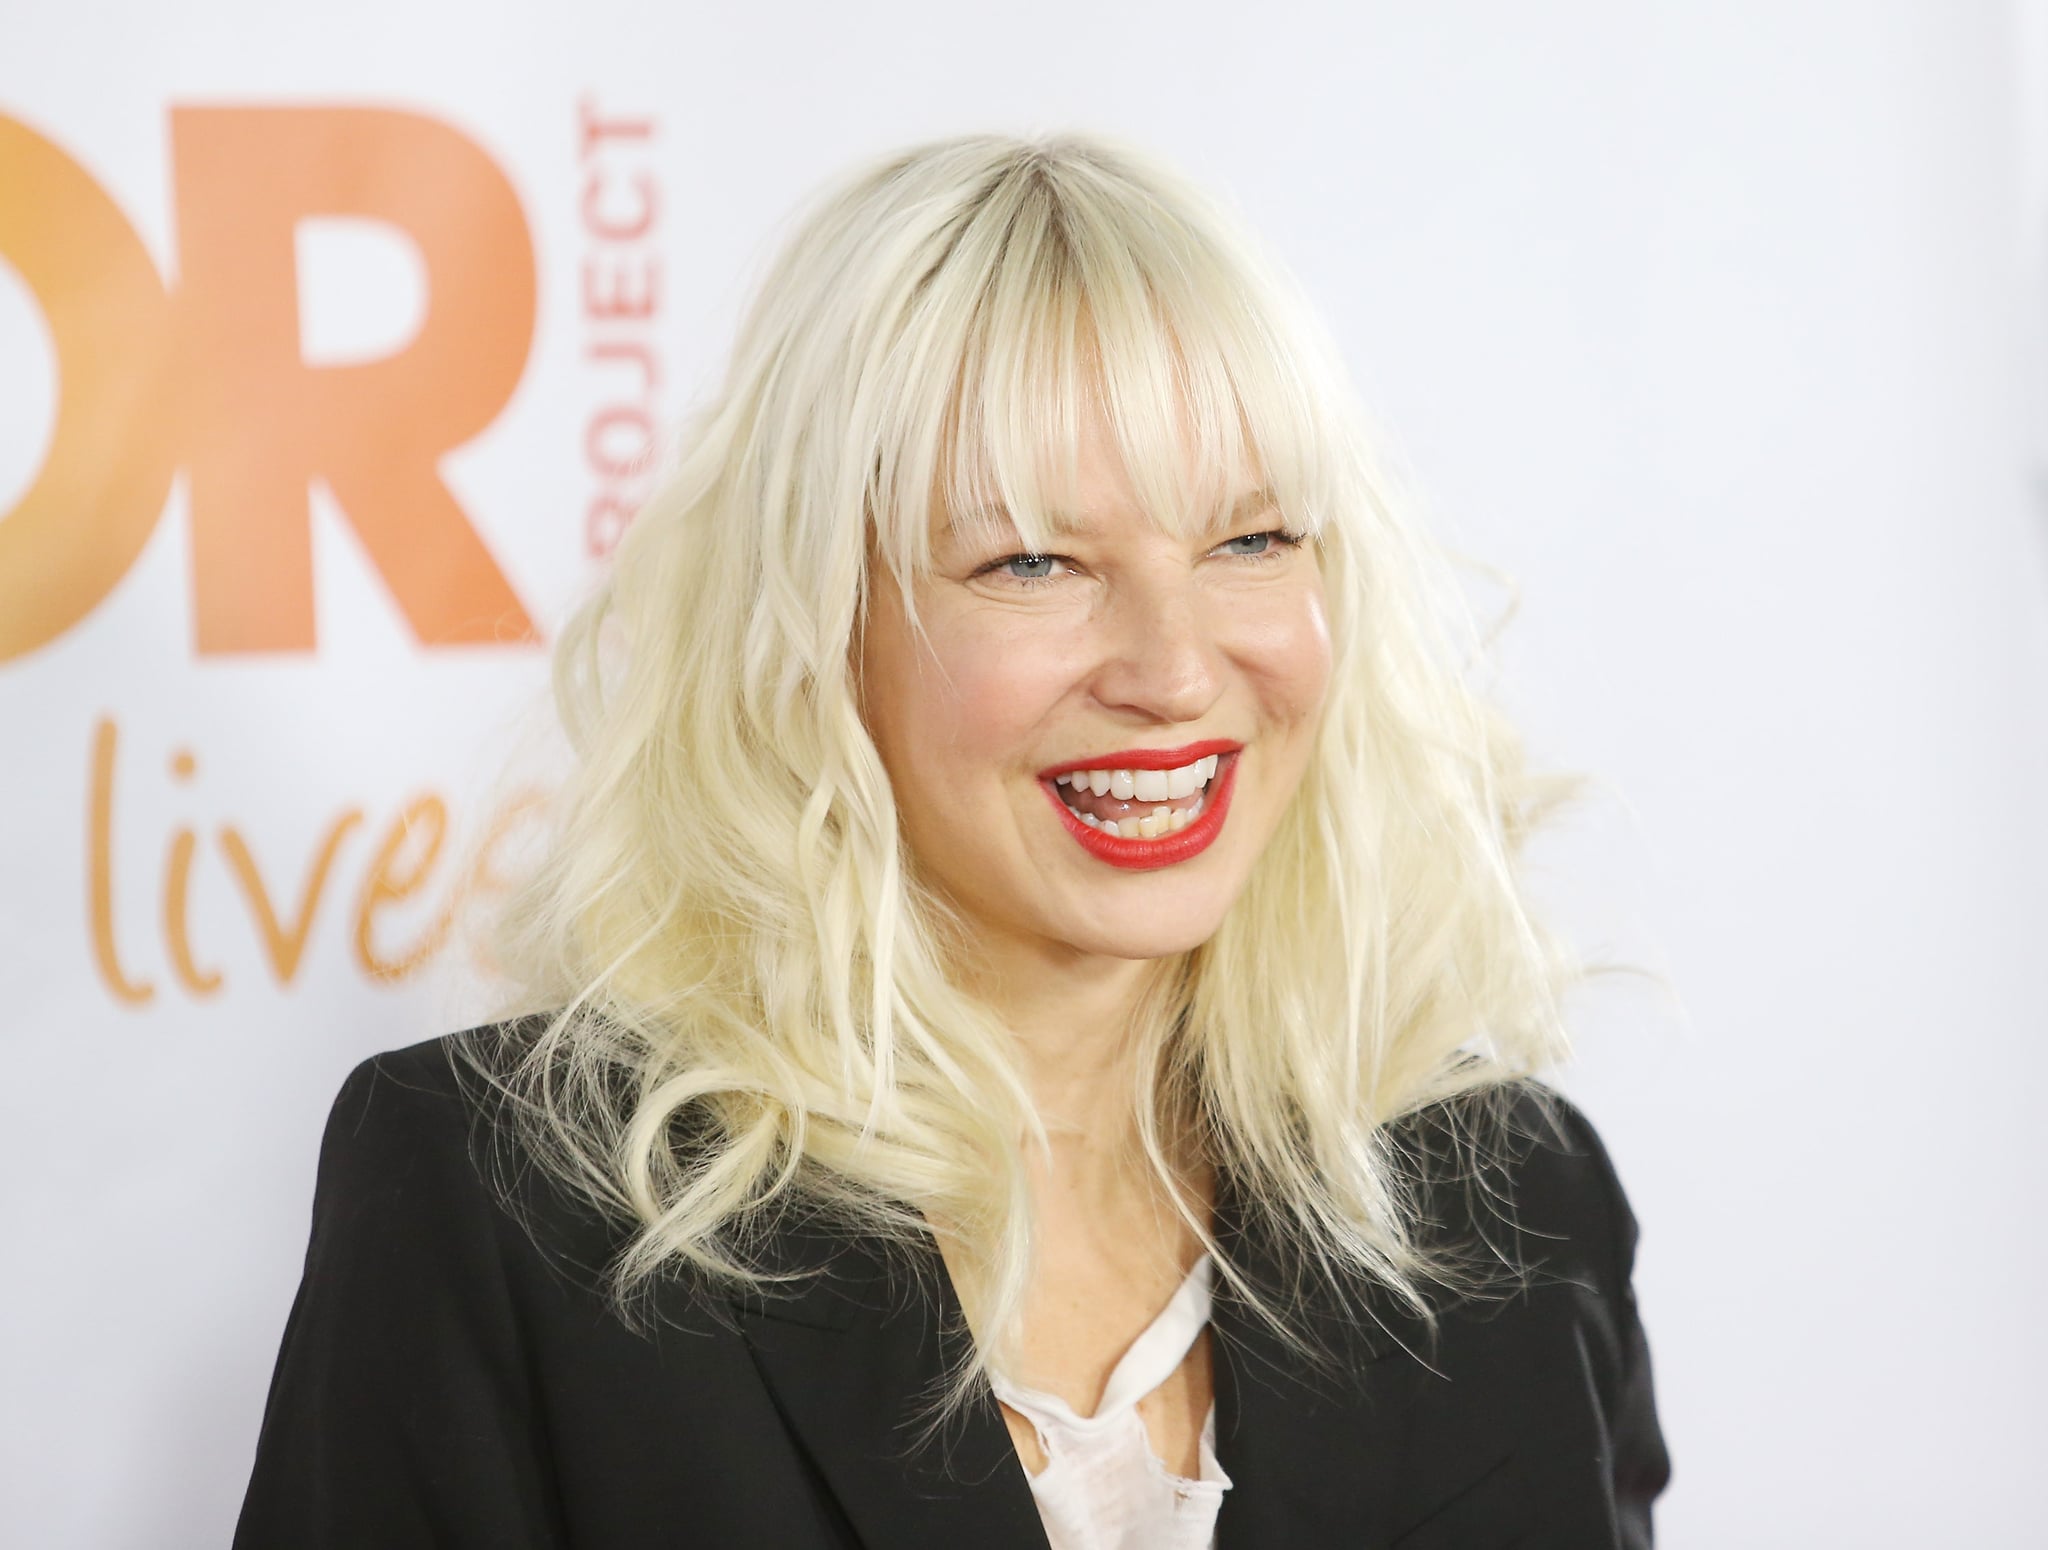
<point x="451" y="1376"/>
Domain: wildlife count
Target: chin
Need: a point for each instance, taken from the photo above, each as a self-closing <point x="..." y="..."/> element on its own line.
<point x="1156" y="939"/>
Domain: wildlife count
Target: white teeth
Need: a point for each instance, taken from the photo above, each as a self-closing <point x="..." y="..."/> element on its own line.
<point x="1157" y="824"/>
<point x="1148" y="786"/>
<point x="1144" y="785"/>
<point x="1061" y="780"/>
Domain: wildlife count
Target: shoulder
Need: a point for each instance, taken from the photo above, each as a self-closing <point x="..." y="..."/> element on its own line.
<point x="1545" y="1359"/>
<point x="398" y="1130"/>
<point x="402" y="1126"/>
<point x="1516" y="1175"/>
<point x="1510" y="1207"/>
<point x="454" y="1368"/>
<point x="420" y="1157"/>
<point x="1519" y="1392"/>
<point x="402" y="1101"/>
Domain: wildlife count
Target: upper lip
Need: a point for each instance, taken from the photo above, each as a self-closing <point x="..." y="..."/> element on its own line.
<point x="1145" y="758"/>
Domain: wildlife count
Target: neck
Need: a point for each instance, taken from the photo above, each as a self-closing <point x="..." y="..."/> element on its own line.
<point x="1074" y="1017"/>
<point x="1104" y="1223"/>
<point x="1075" y="1022"/>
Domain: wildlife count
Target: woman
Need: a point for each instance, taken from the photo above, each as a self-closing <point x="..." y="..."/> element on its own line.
<point x="1035" y="1005"/>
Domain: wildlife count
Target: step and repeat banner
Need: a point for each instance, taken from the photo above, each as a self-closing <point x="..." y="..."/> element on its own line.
<point x="337" y="352"/>
<point x="320" y="379"/>
<point x="318" y="411"/>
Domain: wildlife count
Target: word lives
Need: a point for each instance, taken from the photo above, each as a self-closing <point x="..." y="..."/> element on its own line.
<point x="407" y="856"/>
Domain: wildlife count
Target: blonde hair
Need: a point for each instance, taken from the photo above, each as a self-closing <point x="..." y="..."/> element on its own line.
<point x="752" y="999"/>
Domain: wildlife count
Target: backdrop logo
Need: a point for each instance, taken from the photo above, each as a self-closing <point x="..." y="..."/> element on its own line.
<point x="205" y="375"/>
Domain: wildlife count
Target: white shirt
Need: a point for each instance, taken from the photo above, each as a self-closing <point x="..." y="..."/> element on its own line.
<point x="1102" y="1487"/>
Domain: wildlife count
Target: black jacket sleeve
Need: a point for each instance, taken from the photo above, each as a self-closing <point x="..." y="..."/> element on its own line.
<point x="1639" y="1465"/>
<point x="402" y="1412"/>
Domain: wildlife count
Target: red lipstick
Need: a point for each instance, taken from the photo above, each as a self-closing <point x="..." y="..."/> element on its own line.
<point x="1144" y="855"/>
<point x="1145" y="758"/>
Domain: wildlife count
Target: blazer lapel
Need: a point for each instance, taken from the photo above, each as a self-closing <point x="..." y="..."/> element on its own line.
<point x="854" y="1349"/>
<point x="1313" y="1455"/>
<point x="853" y="1354"/>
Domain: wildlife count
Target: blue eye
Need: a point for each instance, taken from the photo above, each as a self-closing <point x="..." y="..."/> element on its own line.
<point x="1272" y="544"/>
<point x="1036" y="570"/>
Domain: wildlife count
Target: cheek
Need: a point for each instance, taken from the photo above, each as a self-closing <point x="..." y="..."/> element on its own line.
<point x="1286" y="649"/>
<point x="978" y="695"/>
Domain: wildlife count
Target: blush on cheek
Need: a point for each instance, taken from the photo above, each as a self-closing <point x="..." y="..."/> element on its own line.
<point x="991" y="689"/>
<point x="1288" y="653"/>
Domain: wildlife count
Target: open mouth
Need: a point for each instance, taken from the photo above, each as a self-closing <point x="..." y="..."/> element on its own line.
<point x="1141" y="804"/>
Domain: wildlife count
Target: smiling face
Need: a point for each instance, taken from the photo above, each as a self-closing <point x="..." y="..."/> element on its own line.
<point x="1127" y="649"/>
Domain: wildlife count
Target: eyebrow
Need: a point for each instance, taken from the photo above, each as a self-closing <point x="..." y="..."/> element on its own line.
<point x="1247" y="506"/>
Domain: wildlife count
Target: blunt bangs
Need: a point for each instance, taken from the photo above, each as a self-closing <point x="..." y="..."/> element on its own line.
<point x="1070" y="296"/>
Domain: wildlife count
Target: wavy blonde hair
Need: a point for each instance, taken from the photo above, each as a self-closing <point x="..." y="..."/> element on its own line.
<point x="752" y="1000"/>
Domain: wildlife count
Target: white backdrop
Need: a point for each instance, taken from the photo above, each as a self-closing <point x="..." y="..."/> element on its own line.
<point x="1719" y="327"/>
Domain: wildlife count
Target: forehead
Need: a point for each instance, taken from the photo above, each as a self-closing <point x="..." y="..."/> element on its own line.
<point x="1157" y="467"/>
<point x="1098" y="510"/>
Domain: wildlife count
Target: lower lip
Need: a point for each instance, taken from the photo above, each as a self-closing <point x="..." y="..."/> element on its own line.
<point x="1143" y="855"/>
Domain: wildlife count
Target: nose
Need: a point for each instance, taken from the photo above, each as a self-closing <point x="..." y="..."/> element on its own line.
<point x="1162" y="659"/>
